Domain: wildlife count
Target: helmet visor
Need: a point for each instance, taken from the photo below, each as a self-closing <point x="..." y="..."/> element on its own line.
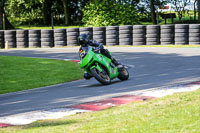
<point x="83" y="42"/>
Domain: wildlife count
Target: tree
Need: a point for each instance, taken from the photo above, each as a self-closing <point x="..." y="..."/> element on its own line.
<point x="46" y="10"/>
<point x="147" y="9"/>
<point x="2" y="11"/>
<point x="153" y="12"/>
<point x="75" y="10"/>
<point x="195" y="11"/>
<point x="1" y="14"/>
<point x="24" y="11"/>
<point x="109" y="12"/>
<point x="198" y="6"/>
<point x="179" y="6"/>
<point x="66" y="11"/>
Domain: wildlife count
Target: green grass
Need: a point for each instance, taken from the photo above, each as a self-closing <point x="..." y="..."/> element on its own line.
<point x="44" y="27"/>
<point x="178" y="113"/>
<point x="20" y="73"/>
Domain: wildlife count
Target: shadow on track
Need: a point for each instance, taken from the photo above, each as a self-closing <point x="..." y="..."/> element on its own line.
<point x="100" y="85"/>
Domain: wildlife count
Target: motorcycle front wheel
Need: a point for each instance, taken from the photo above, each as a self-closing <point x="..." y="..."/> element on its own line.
<point x="102" y="77"/>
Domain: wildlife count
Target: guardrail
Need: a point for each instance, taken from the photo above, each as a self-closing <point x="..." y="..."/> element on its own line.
<point x="178" y="34"/>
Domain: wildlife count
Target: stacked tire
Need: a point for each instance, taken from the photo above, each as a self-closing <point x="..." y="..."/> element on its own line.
<point x="72" y="36"/>
<point x="125" y="35"/>
<point x="47" y="40"/>
<point x="139" y="35"/>
<point x="181" y="34"/>
<point x="194" y="34"/>
<point x="99" y="34"/>
<point x="167" y="34"/>
<point x="112" y="35"/>
<point x="2" y="39"/>
<point x="153" y="35"/>
<point x="34" y="38"/>
<point x="60" y="38"/>
<point x="10" y="36"/>
<point x="22" y="38"/>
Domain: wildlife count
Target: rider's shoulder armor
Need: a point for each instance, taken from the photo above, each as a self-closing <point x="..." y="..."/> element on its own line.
<point x="95" y="44"/>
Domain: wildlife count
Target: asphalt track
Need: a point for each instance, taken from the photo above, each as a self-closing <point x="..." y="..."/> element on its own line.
<point x="154" y="68"/>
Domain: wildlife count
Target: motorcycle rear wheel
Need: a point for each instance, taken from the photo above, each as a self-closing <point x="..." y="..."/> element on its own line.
<point x="102" y="77"/>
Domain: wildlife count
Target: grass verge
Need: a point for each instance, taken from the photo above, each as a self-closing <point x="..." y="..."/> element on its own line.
<point x="171" y="114"/>
<point x="21" y="73"/>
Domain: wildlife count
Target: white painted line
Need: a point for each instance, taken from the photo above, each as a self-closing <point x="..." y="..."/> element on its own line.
<point x="29" y="117"/>
<point x="69" y="59"/>
<point x="170" y="90"/>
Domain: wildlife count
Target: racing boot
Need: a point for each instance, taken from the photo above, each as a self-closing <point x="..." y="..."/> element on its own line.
<point x="87" y="76"/>
<point x="116" y="63"/>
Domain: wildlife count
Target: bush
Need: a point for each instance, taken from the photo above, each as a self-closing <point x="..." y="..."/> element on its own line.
<point x="109" y="12"/>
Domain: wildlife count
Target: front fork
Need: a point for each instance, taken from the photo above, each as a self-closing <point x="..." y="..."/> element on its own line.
<point x="88" y="75"/>
<point x="97" y="67"/>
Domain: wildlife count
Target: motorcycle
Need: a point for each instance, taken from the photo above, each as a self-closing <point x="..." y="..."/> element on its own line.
<point x="99" y="66"/>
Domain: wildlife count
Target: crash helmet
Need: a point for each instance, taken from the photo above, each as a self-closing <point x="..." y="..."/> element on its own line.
<point x="83" y="40"/>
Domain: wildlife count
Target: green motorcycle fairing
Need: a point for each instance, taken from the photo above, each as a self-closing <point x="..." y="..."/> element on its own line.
<point x="90" y="60"/>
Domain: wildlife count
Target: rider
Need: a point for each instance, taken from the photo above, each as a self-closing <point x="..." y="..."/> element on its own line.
<point x="83" y="40"/>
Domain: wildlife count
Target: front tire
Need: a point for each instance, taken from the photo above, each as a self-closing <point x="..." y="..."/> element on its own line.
<point x="102" y="77"/>
<point x="123" y="74"/>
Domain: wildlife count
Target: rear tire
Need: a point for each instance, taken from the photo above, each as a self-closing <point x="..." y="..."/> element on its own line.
<point x="123" y="74"/>
<point x="100" y="76"/>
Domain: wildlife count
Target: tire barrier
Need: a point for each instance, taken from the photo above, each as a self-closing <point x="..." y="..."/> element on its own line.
<point x="139" y="35"/>
<point x="181" y="34"/>
<point x="22" y="38"/>
<point x="99" y="34"/>
<point x="194" y="34"/>
<point x="60" y="38"/>
<point x="153" y="35"/>
<point x="10" y="36"/>
<point x="34" y="38"/>
<point x="125" y="35"/>
<point x="167" y="34"/>
<point x="47" y="38"/>
<point x="72" y="36"/>
<point x="2" y="39"/>
<point x="178" y="34"/>
<point x="112" y="35"/>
